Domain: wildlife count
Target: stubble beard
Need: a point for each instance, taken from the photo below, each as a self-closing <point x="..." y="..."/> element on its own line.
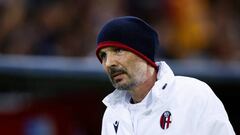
<point x="128" y="85"/>
<point x="125" y="86"/>
<point x="132" y="81"/>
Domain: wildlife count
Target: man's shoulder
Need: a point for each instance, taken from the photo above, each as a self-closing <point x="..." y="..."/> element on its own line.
<point x="190" y="92"/>
<point x="190" y="82"/>
<point x="188" y="79"/>
<point x="191" y="87"/>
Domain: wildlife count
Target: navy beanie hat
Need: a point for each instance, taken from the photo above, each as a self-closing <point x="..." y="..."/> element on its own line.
<point x="132" y="34"/>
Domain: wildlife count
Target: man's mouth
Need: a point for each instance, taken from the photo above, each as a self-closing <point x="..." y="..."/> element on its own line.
<point x="116" y="74"/>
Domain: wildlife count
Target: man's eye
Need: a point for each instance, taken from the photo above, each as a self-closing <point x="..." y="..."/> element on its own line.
<point x="102" y="55"/>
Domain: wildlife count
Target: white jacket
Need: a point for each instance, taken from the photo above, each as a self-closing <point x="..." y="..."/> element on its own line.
<point x="176" y="105"/>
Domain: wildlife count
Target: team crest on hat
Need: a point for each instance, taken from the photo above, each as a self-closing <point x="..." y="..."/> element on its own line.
<point x="165" y="120"/>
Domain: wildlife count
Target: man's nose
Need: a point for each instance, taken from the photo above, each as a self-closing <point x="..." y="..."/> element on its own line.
<point x="111" y="60"/>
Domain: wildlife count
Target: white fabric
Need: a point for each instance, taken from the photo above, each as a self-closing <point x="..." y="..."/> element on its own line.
<point x="194" y="108"/>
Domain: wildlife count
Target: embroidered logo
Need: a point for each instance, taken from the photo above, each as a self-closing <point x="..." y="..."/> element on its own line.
<point x="165" y="120"/>
<point x="115" y="125"/>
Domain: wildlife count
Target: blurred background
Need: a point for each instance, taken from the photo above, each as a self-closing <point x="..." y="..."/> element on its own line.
<point x="52" y="84"/>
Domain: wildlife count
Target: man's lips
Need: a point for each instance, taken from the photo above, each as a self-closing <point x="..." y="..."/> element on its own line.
<point x="117" y="77"/>
<point x="116" y="74"/>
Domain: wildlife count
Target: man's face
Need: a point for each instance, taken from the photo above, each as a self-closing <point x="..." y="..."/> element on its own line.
<point x="125" y="69"/>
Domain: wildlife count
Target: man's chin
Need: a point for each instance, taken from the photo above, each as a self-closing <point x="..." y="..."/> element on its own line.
<point x="122" y="86"/>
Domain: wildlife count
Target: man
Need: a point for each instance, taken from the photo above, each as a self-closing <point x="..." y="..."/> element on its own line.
<point x="149" y="99"/>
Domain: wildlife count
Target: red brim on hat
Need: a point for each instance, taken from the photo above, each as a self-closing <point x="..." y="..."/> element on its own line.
<point x="123" y="46"/>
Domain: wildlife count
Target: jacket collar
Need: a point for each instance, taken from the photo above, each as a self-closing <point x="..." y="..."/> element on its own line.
<point x="164" y="78"/>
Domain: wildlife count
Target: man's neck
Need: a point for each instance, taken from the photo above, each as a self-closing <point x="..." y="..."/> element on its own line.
<point x="139" y="93"/>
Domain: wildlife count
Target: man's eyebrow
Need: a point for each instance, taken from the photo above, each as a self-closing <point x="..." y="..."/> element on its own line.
<point x="104" y="50"/>
<point x="101" y="51"/>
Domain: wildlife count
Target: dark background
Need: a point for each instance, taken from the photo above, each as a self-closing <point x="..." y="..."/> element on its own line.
<point x="52" y="84"/>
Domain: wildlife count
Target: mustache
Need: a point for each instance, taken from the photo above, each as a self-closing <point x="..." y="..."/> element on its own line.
<point x="116" y="70"/>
